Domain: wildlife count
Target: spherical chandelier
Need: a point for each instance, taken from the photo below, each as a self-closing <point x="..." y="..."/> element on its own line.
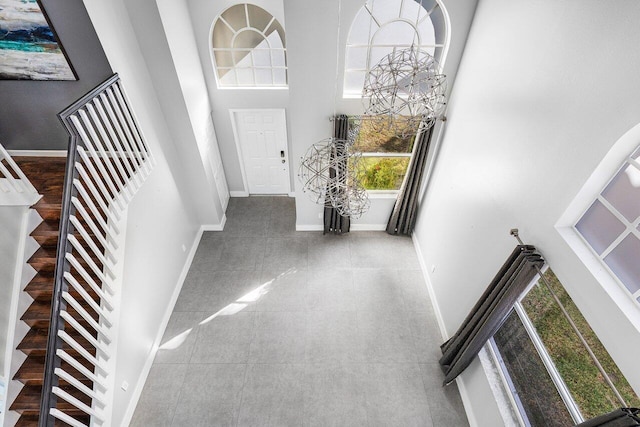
<point x="329" y="175"/>
<point x="407" y="88"/>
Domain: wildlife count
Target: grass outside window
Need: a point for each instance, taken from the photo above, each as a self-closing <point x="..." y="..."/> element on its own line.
<point x="530" y="379"/>
<point x="579" y="372"/>
<point x="377" y="171"/>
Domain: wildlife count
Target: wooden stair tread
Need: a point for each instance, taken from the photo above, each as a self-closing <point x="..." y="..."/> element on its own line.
<point x="46" y="234"/>
<point x="49" y="212"/>
<point x="38" y="314"/>
<point x="46" y="175"/>
<point x="31" y="420"/>
<point x="39" y="310"/>
<point x="44" y="253"/>
<point x="43" y="288"/>
<point x="44" y="260"/>
<point x="28" y="399"/>
<point x="43" y="277"/>
<point x="28" y="420"/>
<point x="32" y="371"/>
<point x="35" y="342"/>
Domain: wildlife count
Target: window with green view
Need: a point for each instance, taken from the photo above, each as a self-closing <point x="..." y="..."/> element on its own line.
<point x="385" y="156"/>
<point x="549" y="371"/>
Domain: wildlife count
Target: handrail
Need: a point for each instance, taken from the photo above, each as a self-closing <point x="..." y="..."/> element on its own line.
<point x="15" y="187"/>
<point x="107" y="162"/>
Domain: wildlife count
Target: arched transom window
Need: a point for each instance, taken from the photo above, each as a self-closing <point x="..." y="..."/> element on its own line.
<point x="248" y="47"/>
<point x="382" y="26"/>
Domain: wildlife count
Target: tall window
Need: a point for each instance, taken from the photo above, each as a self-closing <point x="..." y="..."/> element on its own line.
<point x="553" y="380"/>
<point x="611" y="226"/>
<point x="385" y="156"/>
<point x="382" y="26"/>
<point x="249" y="49"/>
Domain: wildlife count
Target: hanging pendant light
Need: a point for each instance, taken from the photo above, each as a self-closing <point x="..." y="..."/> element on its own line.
<point x="330" y="169"/>
<point x="407" y="89"/>
<point x="329" y="173"/>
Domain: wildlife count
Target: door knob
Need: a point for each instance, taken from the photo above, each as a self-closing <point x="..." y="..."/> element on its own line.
<point x="283" y="160"/>
<point x="282" y="153"/>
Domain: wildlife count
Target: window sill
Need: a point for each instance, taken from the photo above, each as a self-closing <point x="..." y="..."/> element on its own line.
<point x="609" y="283"/>
<point x="253" y="87"/>
<point x="383" y="194"/>
<point x="499" y="387"/>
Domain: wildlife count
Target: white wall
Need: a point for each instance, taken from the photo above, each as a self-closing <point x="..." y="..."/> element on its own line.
<point x="12" y="240"/>
<point x="203" y="13"/>
<point x="543" y="91"/>
<point x="177" y="25"/>
<point x="315" y="90"/>
<point x="11" y="235"/>
<point x="163" y="215"/>
<point x="163" y="30"/>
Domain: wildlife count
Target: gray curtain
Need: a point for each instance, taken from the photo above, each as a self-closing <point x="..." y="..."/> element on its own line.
<point x="490" y="311"/>
<point x="403" y="215"/>
<point x="333" y="221"/>
<point x="623" y="417"/>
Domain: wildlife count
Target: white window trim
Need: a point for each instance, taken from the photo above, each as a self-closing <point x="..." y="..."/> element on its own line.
<point x="383" y="194"/>
<point x="441" y="59"/>
<point x="592" y="188"/>
<point x="212" y="51"/>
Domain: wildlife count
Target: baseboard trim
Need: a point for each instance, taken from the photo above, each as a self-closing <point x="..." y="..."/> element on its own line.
<point x="368" y="227"/>
<point x="215" y="227"/>
<point x="292" y="194"/>
<point x="239" y="193"/>
<point x="464" y="395"/>
<point x="306" y="227"/>
<point x="432" y="294"/>
<point x="137" y="392"/>
<point x="37" y="153"/>
<point x="354" y="227"/>
<point x="466" y="402"/>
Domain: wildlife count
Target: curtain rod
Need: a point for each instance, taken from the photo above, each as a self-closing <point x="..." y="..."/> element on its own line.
<point x="514" y="232"/>
<point x="373" y="116"/>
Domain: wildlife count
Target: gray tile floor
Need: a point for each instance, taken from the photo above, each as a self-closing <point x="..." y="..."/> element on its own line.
<point x="275" y="327"/>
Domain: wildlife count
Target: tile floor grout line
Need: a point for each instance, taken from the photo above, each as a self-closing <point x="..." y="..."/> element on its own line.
<point x="177" y="402"/>
<point x="359" y="254"/>
<point x="244" y="383"/>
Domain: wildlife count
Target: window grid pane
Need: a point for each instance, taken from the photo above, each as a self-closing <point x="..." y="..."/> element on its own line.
<point x="600" y="227"/>
<point x="623" y="261"/>
<point x="611" y="227"/>
<point x="382" y="173"/>
<point x="623" y="192"/>
<point x="379" y="26"/>
<point x="248" y="48"/>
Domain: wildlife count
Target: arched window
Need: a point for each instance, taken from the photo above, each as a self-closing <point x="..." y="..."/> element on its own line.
<point x="602" y="224"/>
<point x="611" y="225"/>
<point x="382" y="26"/>
<point x="248" y="46"/>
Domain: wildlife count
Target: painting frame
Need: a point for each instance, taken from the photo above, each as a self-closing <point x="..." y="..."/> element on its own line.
<point x="30" y="48"/>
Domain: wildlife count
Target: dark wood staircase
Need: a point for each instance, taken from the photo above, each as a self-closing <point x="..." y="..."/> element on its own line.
<point x="47" y="176"/>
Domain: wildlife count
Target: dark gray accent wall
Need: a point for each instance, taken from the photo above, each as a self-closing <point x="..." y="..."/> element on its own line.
<point x="28" y="109"/>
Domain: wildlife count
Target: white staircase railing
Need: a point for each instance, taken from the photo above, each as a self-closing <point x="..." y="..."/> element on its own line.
<point x="108" y="161"/>
<point x="15" y="187"/>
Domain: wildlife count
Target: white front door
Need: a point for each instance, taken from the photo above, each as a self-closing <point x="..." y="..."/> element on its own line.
<point x="262" y="141"/>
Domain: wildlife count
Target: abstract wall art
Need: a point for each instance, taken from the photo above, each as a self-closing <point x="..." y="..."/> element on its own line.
<point x="29" y="48"/>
